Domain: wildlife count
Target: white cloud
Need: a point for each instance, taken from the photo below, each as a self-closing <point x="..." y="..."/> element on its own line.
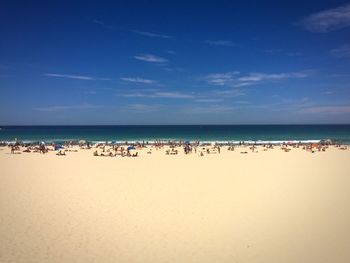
<point x="221" y="79"/>
<point x="172" y="95"/>
<point x="67" y="76"/>
<point x="167" y="95"/>
<point x="139" y="80"/>
<point x="231" y="93"/>
<point x="101" y="23"/>
<point x="235" y="79"/>
<point x="150" y="58"/>
<point x="149" y="34"/>
<point x="225" y="43"/>
<point x="258" y="77"/>
<point x="210" y="109"/>
<point x="328" y="20"/>
<point x="98" y="22"/>
<point x="293" y="54"/>
<point x="328" y="109"/>
<point x="69" y="107"/>
<point x="142" y="107"/>
<point x="208" y="100"/>
<point x="242" y="102"/>
<point x="341" y="52"/>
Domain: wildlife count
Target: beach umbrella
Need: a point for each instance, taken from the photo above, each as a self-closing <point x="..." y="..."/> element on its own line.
<point x="82" y="142"/>
<point x="131" y="148"/>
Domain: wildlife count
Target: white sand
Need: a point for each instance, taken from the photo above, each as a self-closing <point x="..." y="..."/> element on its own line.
<point x="259" y="207"/>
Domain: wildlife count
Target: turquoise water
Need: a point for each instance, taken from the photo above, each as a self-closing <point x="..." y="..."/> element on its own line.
<point x="177" y="132"/>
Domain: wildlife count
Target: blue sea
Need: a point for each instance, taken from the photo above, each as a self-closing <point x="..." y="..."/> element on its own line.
<point x="223" y="133"/>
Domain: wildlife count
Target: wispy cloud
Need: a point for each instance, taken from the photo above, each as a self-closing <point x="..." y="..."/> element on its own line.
<point x="236" y="79"/>
<point x="167" y="95"/>
<point x="339" y="75"/>
<point x="172" y="52"/>
<point x="142" y="108"/>
<point x="242" y="102"/>
<point x="341" y="52"/>
<point x="327" y="92"/>
<point x="293" y="54"/>
<point x="150" y="58"/>
<point x="150" y="34"/>
<point x="283" y="52"/>
<point x="225" y="43"/>
<point x="230" y="93"/>
<point x="210" y="109"/>
<point x="173" y="95"/>
<point x="328" y="109"/>
<point x="68" y="107"/>
<point x="221" y="79"/>
<point x="139" y="80"/>
<point x="98" y="22"/>
<point x="328" y="20"/>
<point x="258" y="77"/>
<point x="101" y="23"/>
<point x="67" y="76"/>
<point x="208" y="100"/>
<point x="274" y="50"/>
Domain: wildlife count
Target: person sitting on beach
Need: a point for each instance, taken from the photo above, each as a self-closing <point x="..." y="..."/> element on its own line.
<point x="60" y="152"/>
<point x="27" y="150"/>
<point x="96" y="153"/>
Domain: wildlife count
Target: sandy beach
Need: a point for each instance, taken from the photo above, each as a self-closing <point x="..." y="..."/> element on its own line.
<point x="270" y="206"/>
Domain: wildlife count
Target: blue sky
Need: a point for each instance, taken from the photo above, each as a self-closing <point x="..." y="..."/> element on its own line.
<point x="179" y="62"/>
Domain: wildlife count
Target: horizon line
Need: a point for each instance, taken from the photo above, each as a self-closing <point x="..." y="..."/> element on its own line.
<point x="268" y="124"/>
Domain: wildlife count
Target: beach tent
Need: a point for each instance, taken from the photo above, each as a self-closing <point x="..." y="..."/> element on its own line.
<point x="131" y="148"/>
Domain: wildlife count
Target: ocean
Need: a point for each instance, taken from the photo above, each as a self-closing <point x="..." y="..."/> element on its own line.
<point x="222" y="133"/>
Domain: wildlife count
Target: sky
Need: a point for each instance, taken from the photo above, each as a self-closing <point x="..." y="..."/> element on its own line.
<point x="174" y="62"/>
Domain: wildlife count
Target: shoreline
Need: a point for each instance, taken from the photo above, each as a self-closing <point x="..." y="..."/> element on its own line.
<point x="172" y="141"/>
